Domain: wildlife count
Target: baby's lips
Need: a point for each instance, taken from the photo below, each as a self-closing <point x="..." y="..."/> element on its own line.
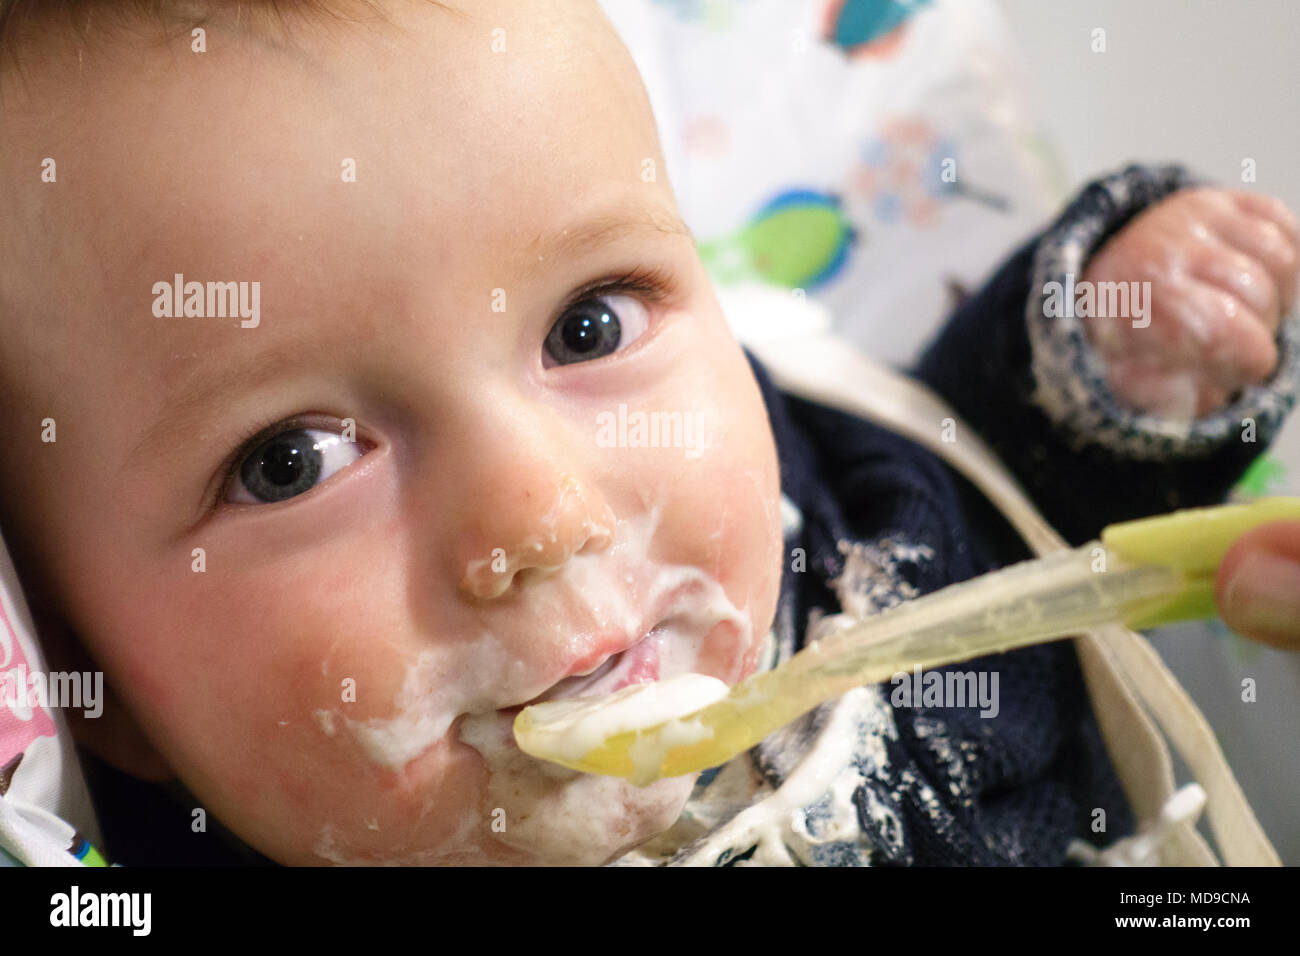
<point x="600" y="653"/>
<point x="685" y="609"/>
<point x="591" y="667"/>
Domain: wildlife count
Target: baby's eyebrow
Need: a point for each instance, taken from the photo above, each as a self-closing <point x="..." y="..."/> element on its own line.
<point x="605" y="226"/>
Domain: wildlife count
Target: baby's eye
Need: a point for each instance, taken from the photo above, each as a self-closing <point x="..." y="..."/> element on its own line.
<point x="291" y="463"/>
<point x="595" y="327"/>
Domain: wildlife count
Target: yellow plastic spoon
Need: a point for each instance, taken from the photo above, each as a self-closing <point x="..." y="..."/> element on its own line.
<point x="1144" y="573"/>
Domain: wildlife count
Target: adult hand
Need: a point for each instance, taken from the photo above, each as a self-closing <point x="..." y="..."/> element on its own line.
<point x="1258" y="585"/>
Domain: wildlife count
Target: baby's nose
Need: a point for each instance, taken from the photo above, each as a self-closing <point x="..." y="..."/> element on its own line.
<point x="539" y="536"/>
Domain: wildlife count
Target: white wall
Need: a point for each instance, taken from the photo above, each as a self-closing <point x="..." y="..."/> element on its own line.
<point x="1205" y="82"/>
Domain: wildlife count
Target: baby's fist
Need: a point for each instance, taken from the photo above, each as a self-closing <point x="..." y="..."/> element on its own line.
<point x="1223" y="270"/>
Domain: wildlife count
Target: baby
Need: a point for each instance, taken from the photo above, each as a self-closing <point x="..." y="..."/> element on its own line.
<point x="331" y="313"/>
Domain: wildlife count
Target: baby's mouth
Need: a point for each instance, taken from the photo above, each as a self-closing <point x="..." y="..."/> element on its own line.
<point x="688" y="610"/>
<point x="636" y="664"/>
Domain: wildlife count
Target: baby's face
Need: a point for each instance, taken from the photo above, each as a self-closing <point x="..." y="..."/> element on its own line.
<point x="335" y="674"/>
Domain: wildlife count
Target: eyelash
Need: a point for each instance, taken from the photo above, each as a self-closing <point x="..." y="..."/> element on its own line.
<point x="652" y="283"/>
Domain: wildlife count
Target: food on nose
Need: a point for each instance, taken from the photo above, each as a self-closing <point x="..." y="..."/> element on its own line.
<point x="492" y="576"/>
<point x="572" y="525"/>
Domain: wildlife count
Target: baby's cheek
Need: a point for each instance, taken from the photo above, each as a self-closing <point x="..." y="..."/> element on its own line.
<point x="310" y="796"/>
<point x="729" y="523"/>
<point x="312" y="662"/>
<point x="260" y="715"/>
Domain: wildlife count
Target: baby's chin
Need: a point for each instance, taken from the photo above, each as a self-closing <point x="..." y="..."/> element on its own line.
<point x="553" y="816"/>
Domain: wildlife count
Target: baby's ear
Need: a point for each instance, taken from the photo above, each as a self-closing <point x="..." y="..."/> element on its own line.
<point x="113" y="736"/>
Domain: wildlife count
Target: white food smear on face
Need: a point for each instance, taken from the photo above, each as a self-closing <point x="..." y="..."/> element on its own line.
<point x="437" y="688"/>
<point x="479" y="676"/>
<point x="570" y="729"/>
<point x="490" y="583"/>
<point x="569" y="818"/>
<point x="554" y="814"/>
<point x="563" y="817"/>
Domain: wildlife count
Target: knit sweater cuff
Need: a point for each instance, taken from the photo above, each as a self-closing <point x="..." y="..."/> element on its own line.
<point x="1070" y="375"/>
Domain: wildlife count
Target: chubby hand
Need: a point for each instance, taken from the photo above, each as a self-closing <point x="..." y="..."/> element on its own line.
<point x="1222" y="267"/>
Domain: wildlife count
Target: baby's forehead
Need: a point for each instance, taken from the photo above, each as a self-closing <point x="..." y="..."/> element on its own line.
<point x="424" y="112"/>
<point x="210" y="163"/>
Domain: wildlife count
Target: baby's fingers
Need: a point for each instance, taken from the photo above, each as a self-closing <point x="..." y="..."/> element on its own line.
<point x="1268" y="242"/>
<point x="1267" y="207"/>
<point x="1194" y="326"/>
<point x="1223" y="336"/>
<point x="1224" y="267"/>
